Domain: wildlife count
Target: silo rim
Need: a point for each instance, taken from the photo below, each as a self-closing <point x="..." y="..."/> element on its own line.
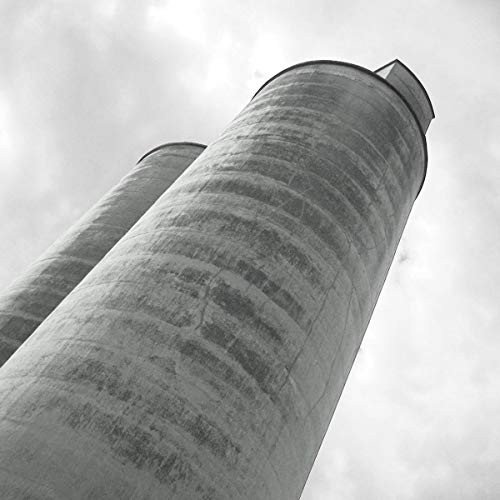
<point x="373" y="74"/>
<point x="427" y="97"/>
<point x="168" y="144"/>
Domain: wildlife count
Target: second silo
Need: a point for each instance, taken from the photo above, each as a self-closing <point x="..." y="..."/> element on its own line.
<point x="38" y="291"/>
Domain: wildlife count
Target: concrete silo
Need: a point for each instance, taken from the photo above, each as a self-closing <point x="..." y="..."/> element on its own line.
<point x="204" y="356"/>
<point x="36" y="293"/>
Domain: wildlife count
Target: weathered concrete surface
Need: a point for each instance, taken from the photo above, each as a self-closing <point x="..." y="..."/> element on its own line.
<point x="203" y="357"/>
<point x="33" y="296"/>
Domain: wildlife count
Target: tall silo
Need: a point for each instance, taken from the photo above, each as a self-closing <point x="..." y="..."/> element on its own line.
<point x="204" y="356"/>
<point x="38" y="291"/>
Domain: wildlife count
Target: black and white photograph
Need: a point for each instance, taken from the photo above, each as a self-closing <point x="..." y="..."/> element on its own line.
<point x="249" y="250"/>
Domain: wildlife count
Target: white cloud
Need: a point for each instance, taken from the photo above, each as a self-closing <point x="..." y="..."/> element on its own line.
<point x="185" y="19"/>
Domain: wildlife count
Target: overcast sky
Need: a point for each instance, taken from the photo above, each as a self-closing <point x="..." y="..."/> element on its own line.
<point x="86" y="87"/>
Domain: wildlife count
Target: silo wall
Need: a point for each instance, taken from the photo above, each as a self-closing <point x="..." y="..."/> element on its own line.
<point x="204" y="356"/>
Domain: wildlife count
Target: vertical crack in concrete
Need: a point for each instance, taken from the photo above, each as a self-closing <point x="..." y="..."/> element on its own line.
<point x="205" y="299"/>
<point x="310" y="329"/>
<point x="334" y="359"/>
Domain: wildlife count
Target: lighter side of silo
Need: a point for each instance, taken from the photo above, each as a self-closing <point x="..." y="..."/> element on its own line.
<point x="204" y="356"/>
<point x="35" y="294"/>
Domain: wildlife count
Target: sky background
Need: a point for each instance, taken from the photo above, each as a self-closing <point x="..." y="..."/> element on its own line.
<point x="87" y="87"/>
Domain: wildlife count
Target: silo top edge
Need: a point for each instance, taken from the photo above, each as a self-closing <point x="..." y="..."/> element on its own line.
<point x="372" y="74"/>
<point x="414" y="77"/>
<point x="168" y="144"/>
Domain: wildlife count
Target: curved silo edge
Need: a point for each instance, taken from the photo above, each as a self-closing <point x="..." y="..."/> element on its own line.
<point x="374" y="75"/>
<point x="168" y="144"/>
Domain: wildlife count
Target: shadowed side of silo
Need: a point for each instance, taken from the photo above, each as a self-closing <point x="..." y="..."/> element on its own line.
<point x="203" y="357"/>
<point x="38" y="291"/>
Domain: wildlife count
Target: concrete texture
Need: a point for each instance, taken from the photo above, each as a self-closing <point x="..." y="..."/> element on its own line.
<point x="204" y="356"/>
<point x="34" y="295"/>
